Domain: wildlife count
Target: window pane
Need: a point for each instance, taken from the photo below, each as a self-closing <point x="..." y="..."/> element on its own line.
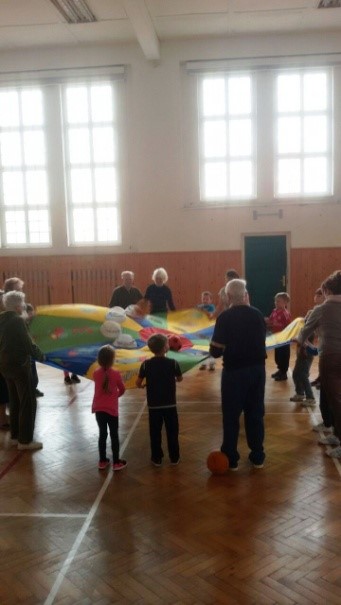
<point x="213" y="96"/>
<point x="15" y="227"/>
<point x="240" y="137"/>
<point x="34" y="148"/>
<point x="289" y="93"/>
<point x="105" y="185"/>
<point x="289" y="177"/>
<point x="10" y="149"/>
<point x="101" y="103"/>
<point x="215" y="185"/>
<point x="9" y="109"/>
<point x="79" y="146"/>
<point x="83" y="225"/>
<point x="103" y="145"/>
<point x="36" y="187"/>
<point x="239" y="95"/>
<point x="77" y="105"/>
<point x="289" y="135"/>
<point x="38" y="227"/>
<point x="107" y="225"/>
<point x="32" y="107"/>
<point x="215" y="139"/>
<point x="315" y="92"/>
<point x="315" y="134"/>
<point x="13" y="188"/>
<point x="315" y="175"/>
<point x="241" y="179"/>
<point x="81" y="186"/>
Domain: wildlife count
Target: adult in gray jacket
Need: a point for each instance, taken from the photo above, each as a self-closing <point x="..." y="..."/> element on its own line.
<point x="327" y="319"/>
<point x="16" y="350"/>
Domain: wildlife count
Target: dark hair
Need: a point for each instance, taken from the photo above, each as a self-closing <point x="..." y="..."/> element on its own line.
<point x="106" y="358"/>
<point x="319" y="291"/>
<point x="157" y="343"/>
<point x="332" y="283"/>
<point x="232" y="274"/>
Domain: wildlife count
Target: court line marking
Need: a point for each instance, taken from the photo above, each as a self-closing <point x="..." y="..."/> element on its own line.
<point x="46" y="515"/>
<point x="89" y="517"/>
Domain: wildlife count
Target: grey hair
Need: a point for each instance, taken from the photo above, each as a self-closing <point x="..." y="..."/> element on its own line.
<point x="12" y="300"/>
<point x="160" y="272"/>
<point x="131" y="273"/>
<point x="236" y="289"/>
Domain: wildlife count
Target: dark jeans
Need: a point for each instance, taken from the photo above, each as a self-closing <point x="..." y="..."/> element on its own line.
<point x="242" y="390"/>
<point x="104" y="421"/>
<point x="330" y="373"/>
<point x="22" y="401"/>
<point x="326" y="414"/>
<point x="282" y="357"/>
<point x="157" y="417"/>
<point x="301" y="376"/>
<point x="34" y="372"/>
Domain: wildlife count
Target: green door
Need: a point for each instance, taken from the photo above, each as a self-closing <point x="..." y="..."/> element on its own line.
<point x="265" y="269"/>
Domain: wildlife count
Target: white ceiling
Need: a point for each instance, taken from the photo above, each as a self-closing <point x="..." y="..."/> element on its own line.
<point x="37" y="23"/>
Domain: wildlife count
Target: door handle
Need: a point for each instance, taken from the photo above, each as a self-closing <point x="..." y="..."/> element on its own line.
<point x="284" y="281"/>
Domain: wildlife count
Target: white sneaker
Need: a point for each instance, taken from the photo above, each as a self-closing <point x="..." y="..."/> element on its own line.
<point x="33" y="445"/>
<point x="335" y="453"/>
<point x="330" y="440"/>
<point x="308" y="402"/>
<point x="322" y="427"/>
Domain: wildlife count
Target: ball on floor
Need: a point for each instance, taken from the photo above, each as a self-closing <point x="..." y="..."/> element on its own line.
<point x="217" y="463"/>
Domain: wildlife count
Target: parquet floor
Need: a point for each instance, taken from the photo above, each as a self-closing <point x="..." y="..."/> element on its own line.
<point x="71" y="535"/>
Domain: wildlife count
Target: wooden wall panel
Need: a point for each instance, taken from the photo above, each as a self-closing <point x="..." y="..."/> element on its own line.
<point x="309" y="267"/>
<point x="91" y="278"/>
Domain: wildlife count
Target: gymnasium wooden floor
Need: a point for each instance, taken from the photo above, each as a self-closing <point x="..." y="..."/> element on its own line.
<point x="71" y="535"/>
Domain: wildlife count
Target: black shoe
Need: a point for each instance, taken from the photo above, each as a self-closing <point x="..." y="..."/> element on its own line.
<point x="281" y="377"/>
<point x="39" y="393"/>
<point x="157" y="461"/>
<point x="275" y="374"/>
<point x="67" y="380"/>
<point x="75" y="379"/>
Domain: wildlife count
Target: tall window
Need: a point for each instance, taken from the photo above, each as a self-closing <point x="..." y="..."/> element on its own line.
<point x="226" y="135"/>
<point x="303" y="146"/>
<point x="25" y="217"/>
<point x="90" y="138"/>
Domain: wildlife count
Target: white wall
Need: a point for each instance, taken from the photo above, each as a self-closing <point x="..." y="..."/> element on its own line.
<point x="156" y="168"/>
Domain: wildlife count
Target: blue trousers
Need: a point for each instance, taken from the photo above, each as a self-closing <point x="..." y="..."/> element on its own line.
<point x="301" y="376"/>
<point x="242" y="390"/>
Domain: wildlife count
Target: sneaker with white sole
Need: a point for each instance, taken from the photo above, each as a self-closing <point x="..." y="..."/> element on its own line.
<point x="329" y="440"/>
<point x="118" y="466"/>
<point x="308" y="402"/>
<point x="297" y="398"/>
<point x="103" y="464"/>
<point x="322" y="427"/>
<point x="33" y="445"/>
<point x="335" y="453"/>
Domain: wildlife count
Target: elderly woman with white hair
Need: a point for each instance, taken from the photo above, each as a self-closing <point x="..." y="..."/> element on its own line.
<point x="158" y="294"/>
<point x="16" y="350"/>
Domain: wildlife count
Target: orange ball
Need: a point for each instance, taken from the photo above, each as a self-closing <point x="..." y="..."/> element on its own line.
<point x="217" y="463"/>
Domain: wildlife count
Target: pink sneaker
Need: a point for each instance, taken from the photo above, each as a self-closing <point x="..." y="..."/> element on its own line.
<point x="118" y="466"/>
<point x="103" y="464"/>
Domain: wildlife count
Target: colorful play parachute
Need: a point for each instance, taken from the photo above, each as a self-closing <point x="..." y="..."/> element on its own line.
<point x="70" y="336"/>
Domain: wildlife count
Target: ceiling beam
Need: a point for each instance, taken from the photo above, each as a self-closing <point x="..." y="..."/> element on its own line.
<point x="141" y="21"/>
